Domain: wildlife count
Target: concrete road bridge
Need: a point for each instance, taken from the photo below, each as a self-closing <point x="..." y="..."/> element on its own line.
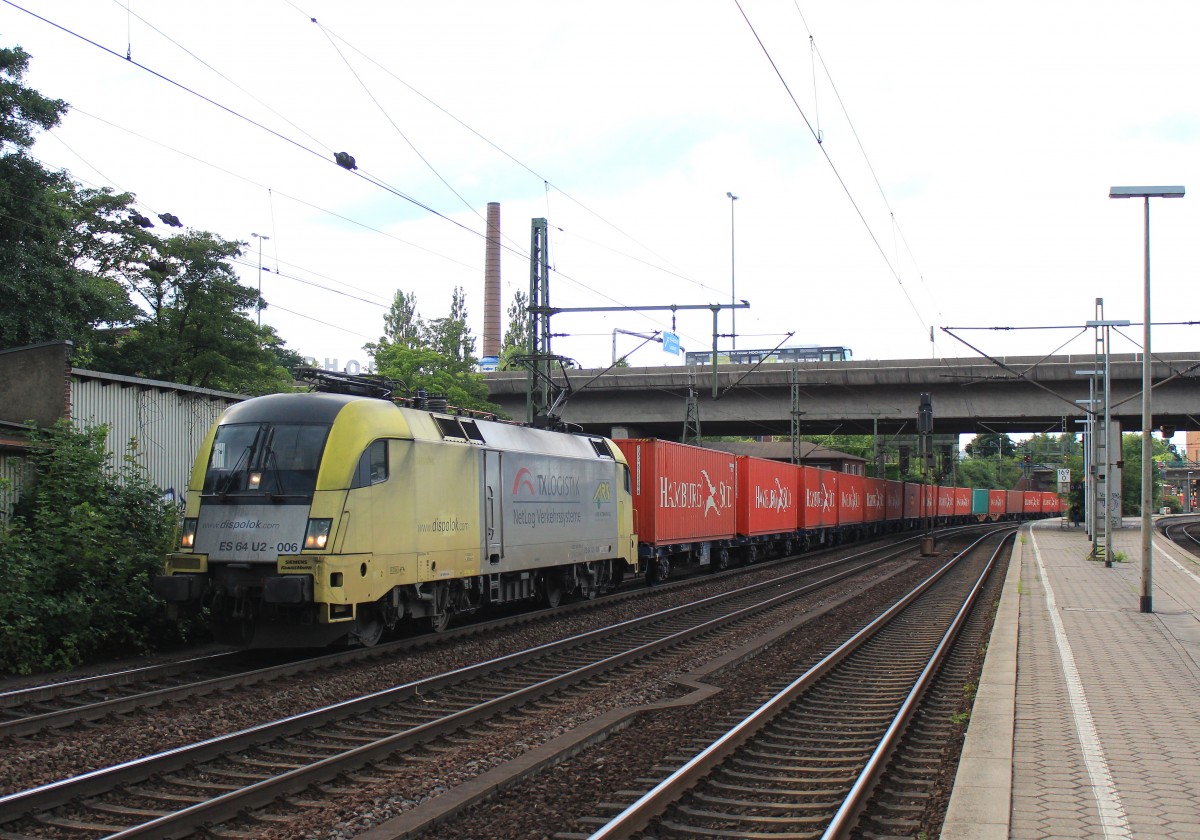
<point x="970" y="395"/>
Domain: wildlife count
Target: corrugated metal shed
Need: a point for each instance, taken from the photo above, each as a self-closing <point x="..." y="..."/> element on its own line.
<point x="161" y="424"/>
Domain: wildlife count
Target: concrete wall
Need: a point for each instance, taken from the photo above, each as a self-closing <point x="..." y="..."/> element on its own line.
<point x="35" y="383"/>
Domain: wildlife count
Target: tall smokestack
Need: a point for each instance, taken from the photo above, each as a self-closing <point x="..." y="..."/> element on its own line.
<point x="491" y="283"/>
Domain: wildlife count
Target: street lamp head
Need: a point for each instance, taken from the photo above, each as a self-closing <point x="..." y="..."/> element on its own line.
<point x="731" y="196"/>
<point x="1145" y="192"/>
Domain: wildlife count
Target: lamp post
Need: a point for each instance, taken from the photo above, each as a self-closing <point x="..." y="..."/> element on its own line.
<point x="1146" y="603"/>
<point x="732" y="267"/>
<point x="260" y="242"/>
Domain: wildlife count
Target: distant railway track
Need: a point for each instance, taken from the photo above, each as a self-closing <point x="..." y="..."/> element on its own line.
<point x="1184" y="532"/>
<point x="175" y="791"/>
<point x="811" y="757"/>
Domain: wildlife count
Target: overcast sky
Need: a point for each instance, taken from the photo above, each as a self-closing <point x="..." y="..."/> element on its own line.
<point x="961" y="179"/>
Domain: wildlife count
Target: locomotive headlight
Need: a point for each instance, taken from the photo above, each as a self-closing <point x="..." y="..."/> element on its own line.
<point x="188" y="538"/>
<point x="255" y="480"/>
<point x="316" y="536"/>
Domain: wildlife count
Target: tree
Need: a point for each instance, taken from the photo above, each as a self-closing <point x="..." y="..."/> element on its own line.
<point x="440" y="357"/>
<point x="50" y="290"/>
<point x="991" y="444"/>
<point x="403" y="324"/>
<point x="196" y="327"/>
<point x="516" y="337"/>
<point x="450" y="336"/>
<point x="1131" y="471"/>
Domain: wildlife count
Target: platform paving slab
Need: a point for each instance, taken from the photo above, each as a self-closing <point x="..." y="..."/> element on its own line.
<point x="1105" y="700"/>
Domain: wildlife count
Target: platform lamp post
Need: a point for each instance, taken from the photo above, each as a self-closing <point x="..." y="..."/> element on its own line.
<point x="732" y="269"/>
<point x="1146" y="603"/>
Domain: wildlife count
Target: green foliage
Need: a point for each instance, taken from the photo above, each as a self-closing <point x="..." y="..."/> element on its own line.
<point x="198" y="329"/>
<point x="991" y="444"/>
<point x="78" y="558"/>
<point x="861" y="445"/>
<point x="437" y="356"/>
<point x="50" y="290"/>
<point x="516" y="337"/>
<point x="1131" y="475"/>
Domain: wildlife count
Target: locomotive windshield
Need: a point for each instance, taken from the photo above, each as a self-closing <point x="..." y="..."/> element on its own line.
<point x="265" y="459"/>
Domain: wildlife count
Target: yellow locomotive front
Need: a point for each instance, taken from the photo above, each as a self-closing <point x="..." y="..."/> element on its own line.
<point x="318" y="518"/>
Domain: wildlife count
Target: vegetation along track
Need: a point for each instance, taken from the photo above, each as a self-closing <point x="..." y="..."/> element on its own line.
<point x="805" y="763"/>
<point x="177" y="790"/>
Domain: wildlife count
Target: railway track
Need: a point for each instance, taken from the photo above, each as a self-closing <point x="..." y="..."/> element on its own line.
<point x="1184" y="532"/>
<point x="71" y="702"/>
<point x="805" y="764"/>
<point x="174" y="792"/>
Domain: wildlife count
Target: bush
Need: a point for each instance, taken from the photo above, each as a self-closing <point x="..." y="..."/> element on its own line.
<point x="78" y="558"/>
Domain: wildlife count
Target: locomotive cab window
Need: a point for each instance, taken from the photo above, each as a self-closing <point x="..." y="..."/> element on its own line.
<point x="372" y="466"/>
<point x="267" y="459"/>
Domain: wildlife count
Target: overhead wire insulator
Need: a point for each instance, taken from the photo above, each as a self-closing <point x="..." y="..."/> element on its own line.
<point x="170" y="219"/>
<point x="345" y="160"/>
<point x="140" y="220"/>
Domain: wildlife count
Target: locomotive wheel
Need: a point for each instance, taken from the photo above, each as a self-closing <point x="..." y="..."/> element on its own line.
<point x="369" y="627"/>
<point x="552" y="590"/>
<point x="439" y="619"/>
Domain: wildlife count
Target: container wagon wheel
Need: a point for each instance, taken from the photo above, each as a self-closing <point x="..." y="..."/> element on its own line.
<point x="721" y="559"/>
<point x="658" y="569"/>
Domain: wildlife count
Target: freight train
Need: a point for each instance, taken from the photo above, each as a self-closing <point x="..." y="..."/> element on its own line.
<point x="320" y="518"/>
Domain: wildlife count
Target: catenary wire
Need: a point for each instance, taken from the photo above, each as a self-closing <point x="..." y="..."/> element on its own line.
<point x="832" y="166"/>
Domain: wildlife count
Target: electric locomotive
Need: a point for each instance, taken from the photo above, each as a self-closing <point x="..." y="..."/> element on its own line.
<point x="319" y="518"/>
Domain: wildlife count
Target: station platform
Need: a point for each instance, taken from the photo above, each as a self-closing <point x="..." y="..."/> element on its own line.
<point x="1087" y="717"/>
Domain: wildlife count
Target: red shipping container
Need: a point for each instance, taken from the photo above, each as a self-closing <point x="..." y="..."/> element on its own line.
<point x="962" y="501"/>
<point x="912" y="500"/>
<point x="820" y="497"/>
<point x="945" y="501"/>
<point x="874" y="508"/>
<point x="768" y="497"/>
<point x="1033" y="501"/>
<point x="851" y="499"/>
<point x="997" y="504"/>
<point x="1014" y="502"/>
<point x="1050" y="502"/>
<point x="893" y="500"/>
<point x="681" y="493"/>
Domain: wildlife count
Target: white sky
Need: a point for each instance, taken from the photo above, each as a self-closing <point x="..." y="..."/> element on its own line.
<point x="994" y="130"/>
